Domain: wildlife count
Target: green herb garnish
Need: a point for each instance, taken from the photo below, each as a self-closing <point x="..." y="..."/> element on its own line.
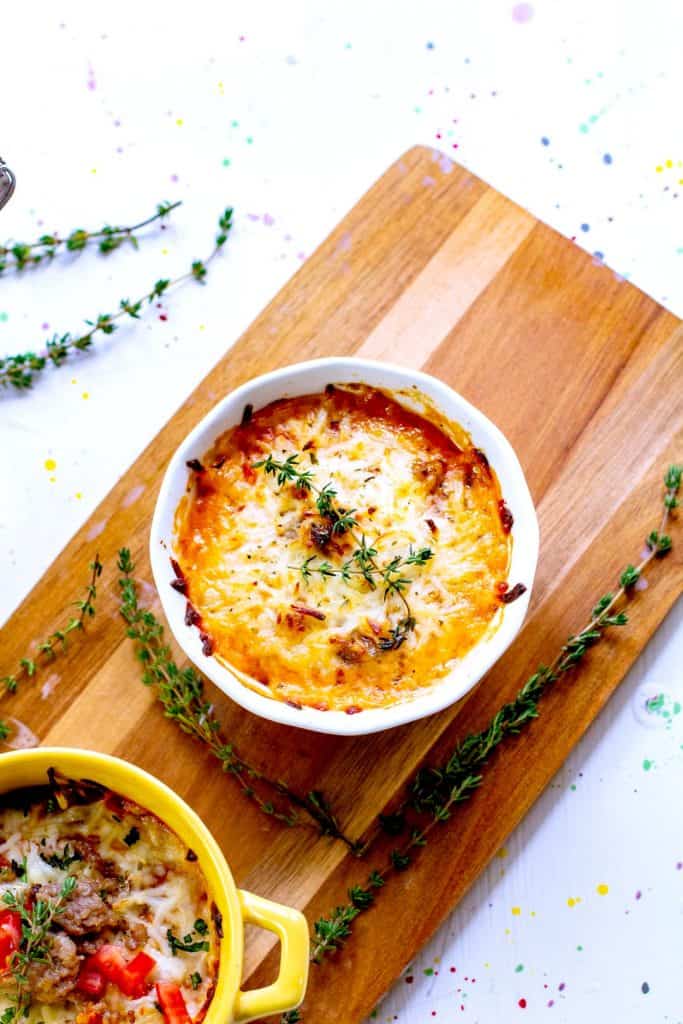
<point x="19" y="255"/>
<point x="20" y="371"/>
<point x="363" y="559"/>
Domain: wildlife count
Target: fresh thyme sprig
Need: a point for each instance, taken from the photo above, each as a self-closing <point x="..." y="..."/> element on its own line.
<point x="363" y="560"/>
<point x="35" y="924"/>
<point x="57" y="641"/>
<point x="435" y="791"/>
<point x="181" y="694"/>
<point x="19" y="255"/>
<point x="20" y="371"/>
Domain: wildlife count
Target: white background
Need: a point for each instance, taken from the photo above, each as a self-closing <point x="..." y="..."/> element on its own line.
<point x="289" y="112"/>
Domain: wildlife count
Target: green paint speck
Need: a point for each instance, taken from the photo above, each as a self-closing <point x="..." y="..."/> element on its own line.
<point x="418" y="110"/>
<point x="374" y="1013"/>
<point x="249" y="140"/>
<point x="428" y="971"/>
<point x="226" y="162"/>
<point x="647" y="764"/>
<point x="519" y="968"/>
<point x="579" y="949"/>
<point x="4" y="317"/>
<point x="234" y="124"/>
<point x="583" y="128"/>
<point x="573" y="787"/>
<point x="676" y="708"/>
<point x="347" y="46"/>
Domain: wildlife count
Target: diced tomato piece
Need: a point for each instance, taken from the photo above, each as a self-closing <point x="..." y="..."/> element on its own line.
<point x="91" y="982"/>
<point x="110" y="961"/>
<point x="172" y="1004"/>
<point x="132" y="980"/>
<point x="10" y="936"/>
<point x="95" y="1018"/>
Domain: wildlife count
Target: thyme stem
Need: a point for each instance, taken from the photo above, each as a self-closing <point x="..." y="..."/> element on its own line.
<point x="436" y="790"/>
<point x="19" y="371"/>
<point x="19" y="255"/>
<point x="48" y="648"/>
<point x="181" y="694"/>
<point x="364" y="557"/>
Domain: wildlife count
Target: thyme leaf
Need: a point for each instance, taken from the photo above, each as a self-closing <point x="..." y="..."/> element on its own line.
<point x="20" y="255"/>
<point x="20" y="371"/>
<point x="180" y="691"/>
<point x="34" y="946"/>
<point x="435" y="791"/>
<point x="55" y="642"/>
<point x="363" y="560"/>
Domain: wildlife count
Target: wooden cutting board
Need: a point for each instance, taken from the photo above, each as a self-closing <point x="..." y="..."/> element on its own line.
<point x="584" y="373"/>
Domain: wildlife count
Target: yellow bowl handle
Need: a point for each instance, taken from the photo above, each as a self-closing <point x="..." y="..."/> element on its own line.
<point x="292" y="930"/>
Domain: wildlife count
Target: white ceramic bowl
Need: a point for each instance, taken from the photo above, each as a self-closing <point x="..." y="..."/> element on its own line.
<point x="308" y="378"/>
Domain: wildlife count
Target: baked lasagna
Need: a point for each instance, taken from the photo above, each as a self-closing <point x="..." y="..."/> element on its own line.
<point x="342" y="550"/>
<point x="105" y="916"/>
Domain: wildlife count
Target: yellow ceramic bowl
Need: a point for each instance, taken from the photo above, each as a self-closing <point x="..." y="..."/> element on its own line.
<point x="229" y="1004"/>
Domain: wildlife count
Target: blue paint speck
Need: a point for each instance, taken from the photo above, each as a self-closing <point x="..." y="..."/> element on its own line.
<point x="545" y="141"/>
<point x="585" y="227"/>
<point x="645" y="988"/>
<point x="599" y="255"/>
<point x="607" y="158"/>
<point x="430" y="46"/>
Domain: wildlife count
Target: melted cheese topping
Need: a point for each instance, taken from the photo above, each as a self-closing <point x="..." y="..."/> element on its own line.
<point x="321" y="640"/>
<point x="154" y="888"/>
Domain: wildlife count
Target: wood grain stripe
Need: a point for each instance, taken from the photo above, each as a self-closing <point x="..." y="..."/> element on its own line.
<point x="455" y="276"/>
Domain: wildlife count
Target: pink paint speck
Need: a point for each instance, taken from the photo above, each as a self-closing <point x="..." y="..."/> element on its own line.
<point x="639" y="895"/>
<point x="268" y="220"/>
<point x="521" y="13"/>
<point x="92" y="83"/>
<point x="133" y="495"/>
<point x="175" y="179"/>
<point x="96" y="529"/>
<point x="44" y="326"/>
<point x="522" y="1004"/>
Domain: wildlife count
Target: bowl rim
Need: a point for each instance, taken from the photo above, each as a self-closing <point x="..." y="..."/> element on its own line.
<point x="152" y="794"/>
<point x="344" y="369"/>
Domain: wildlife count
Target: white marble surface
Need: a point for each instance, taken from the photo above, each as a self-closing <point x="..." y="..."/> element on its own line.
<point x="289" y="112"/>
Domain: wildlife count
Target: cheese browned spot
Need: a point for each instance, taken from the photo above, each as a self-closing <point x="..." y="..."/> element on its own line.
<point x="411" y="483"/>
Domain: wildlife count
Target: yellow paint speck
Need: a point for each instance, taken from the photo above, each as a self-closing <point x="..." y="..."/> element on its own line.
<point x="86" y="395"/>
<point x="571" y="902"/>
<point x="507" y="931"/>
<point x="516" y="911"/>
<point x="669" y="163"/>
<point x="533" y="913"/>
<point x="74" y="381"/>
<point x="93" y="170"/>
<point x="79" y="495"/>
<point x="487" y="965"/>
<point x="659" y="168"/>
<point x="602" y="889"/>
<point x="50" y="464"/>
<point x="202" y="327"/>
<point x="221" y="89"/>
<point x="53" y="479"/>
<point x="502" y="853"/>
<point x="179" y="122"/>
